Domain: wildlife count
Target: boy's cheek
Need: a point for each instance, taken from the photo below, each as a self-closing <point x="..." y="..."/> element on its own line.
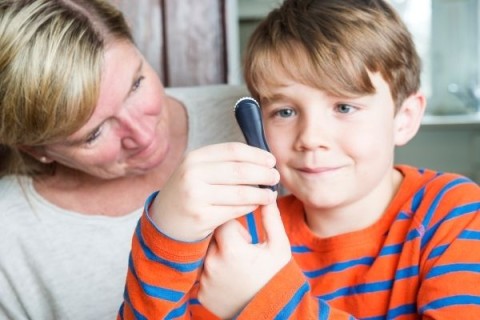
<point x="277" y="144"/>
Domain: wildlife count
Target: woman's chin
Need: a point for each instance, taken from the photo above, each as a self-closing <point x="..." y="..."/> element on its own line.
<point x="148" y="165"/>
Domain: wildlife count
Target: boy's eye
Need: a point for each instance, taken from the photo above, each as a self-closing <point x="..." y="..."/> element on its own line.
<point x="344" y="108"/>
<point x="285" y="113"/>
<point x="137" y="83"/>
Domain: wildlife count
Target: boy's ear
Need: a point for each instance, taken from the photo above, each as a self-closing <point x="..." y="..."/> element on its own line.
<point x="37" y="153"/>
<point x="409" y="118"/>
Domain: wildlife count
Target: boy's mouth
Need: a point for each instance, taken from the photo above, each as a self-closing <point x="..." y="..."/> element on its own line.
<point x="318" y="170"/>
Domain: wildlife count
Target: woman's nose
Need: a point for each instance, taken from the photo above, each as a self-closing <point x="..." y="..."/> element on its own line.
<point x="137" y="130"/>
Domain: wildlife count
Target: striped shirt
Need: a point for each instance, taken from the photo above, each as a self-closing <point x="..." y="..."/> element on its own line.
<point x="421" y="260"/>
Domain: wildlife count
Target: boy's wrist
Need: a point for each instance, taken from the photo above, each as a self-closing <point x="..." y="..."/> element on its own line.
<point x="160" y="242"/>
<point x="276" y="293"/>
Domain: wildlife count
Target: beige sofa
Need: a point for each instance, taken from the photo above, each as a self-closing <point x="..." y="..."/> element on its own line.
<point x="223" y="95"/>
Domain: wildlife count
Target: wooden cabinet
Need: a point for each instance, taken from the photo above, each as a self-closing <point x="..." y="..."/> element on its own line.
<point x="184" y="40"/>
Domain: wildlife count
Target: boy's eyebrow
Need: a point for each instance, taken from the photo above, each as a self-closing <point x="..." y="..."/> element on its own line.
<point x="273" y="98"/>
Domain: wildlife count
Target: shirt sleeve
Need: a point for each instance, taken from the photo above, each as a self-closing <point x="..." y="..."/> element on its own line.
<point x="449" y="268"/>
<point x="162" y="273"/>
<point x="288" y="296"/>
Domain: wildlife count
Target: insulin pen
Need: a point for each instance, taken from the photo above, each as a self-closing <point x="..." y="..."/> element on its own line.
<point x="249" y="118"/>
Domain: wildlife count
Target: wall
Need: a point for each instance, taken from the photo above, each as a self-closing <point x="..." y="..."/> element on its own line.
<point x="445" y="147"/>
<point x="454" y="54"/>
<point x="250" y="12"/>
<point x="187" y="42"/>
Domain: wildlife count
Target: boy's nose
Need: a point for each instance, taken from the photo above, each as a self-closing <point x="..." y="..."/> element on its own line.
<point x="312" y="135"/>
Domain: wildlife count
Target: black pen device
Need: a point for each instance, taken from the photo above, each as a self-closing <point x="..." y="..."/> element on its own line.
<point x="249" y="118"/>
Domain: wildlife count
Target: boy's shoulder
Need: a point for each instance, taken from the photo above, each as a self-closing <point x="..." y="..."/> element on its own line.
<point x="435" y="196"/>
<point x="436" y="182"/>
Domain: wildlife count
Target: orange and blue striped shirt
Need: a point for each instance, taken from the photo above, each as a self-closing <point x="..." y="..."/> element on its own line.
<point x="421" y="260"/>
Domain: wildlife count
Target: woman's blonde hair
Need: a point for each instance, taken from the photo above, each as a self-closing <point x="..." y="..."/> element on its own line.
<point x="50" y="67"/>
<point x="333" y="45"/>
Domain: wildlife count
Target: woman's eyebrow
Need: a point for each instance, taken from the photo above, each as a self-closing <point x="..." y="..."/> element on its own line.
<point x="135" y="74"/>
<point x="83" y="138"/>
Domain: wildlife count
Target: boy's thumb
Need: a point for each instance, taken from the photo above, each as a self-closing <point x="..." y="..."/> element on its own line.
<point x="230" y="233"/>
<point x="273" y="225"/>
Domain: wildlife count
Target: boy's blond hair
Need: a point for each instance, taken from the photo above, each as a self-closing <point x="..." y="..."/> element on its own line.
<point x="333" y="45"/>
<point x="50" y="66"/>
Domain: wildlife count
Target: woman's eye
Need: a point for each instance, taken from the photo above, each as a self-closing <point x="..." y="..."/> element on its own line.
<point x="137" y="83"/>
<point x="344" y="108"/>
<point x="93" y="136"/>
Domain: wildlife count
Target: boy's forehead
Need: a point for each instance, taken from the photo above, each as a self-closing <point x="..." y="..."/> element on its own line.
<point x="278" y="66"/>
<point x="269" y="84"/>
<point x="273" y="90"/>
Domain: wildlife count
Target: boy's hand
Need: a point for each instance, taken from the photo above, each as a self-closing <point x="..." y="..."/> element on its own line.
<point x="213" y="185"/>
<point x="235" y="270"/>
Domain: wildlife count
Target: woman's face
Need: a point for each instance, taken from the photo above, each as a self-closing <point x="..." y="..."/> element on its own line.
<point x="128" y="132"/>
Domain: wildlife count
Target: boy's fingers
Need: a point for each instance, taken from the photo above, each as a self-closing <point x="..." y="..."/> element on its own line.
<point x="235" y="173"/>
<point x="232" y="151"/>
<point x="237" y="195"/>
<point x="273" y="225"/>
<point x="212" y="247"/>
<point x="230" y="234"/>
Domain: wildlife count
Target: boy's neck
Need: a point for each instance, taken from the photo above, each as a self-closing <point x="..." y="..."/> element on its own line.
<point x="356" y="216"/>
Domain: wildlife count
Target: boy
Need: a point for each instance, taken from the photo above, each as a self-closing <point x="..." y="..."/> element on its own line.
<point x="338" y="82"/>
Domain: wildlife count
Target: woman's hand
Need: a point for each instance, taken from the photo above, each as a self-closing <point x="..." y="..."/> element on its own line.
<point x="235" y="269"/>
<point x="213" y="185"/>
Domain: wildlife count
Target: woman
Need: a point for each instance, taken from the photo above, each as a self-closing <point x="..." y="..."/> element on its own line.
<point x="86" y="134"/>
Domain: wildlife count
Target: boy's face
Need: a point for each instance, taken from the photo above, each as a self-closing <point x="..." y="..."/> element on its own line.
<point x="332" y="151"/>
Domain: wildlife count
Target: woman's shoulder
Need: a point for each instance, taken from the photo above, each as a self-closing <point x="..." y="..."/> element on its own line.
<point x="13" y="197"/>
<point x="13" y="190"/>
<point x="16" y="214"/>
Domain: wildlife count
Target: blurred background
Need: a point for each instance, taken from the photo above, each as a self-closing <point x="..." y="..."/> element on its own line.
<point x="201" y="42"/>
<point x="446" y="34"/>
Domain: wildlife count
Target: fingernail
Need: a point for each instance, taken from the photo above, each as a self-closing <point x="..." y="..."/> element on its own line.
<point x="276" y="175"/>
<point x="273" y="196"/>
<point x="271" y="161"/>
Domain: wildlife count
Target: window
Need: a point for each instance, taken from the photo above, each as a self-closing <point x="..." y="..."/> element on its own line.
<point x="446" y="36"/>
<point x="417" y="16"/>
